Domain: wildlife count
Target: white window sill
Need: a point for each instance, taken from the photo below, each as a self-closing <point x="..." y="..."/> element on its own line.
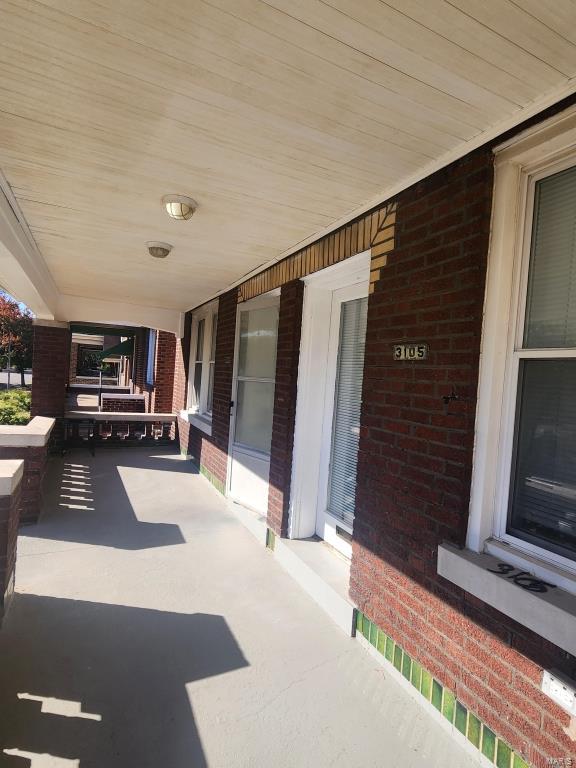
<point x="551" y="614"/>
<point x="202" y="422"/>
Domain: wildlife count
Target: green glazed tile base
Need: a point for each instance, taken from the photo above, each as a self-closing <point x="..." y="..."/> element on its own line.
<point x="497" y="751"/>
<point x="218" y="484"/>
<point x="449" y="705"/>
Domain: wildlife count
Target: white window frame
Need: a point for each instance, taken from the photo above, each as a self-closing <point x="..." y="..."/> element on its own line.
<point x="519" y="164"/>
<point x="198" y="413"/>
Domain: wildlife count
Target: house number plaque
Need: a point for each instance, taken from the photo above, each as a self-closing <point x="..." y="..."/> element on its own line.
<point x="410" y="351"/>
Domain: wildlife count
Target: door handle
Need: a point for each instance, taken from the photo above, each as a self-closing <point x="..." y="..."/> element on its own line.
<point x="231" y="405"/>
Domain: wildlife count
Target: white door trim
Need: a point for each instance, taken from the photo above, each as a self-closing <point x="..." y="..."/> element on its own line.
<point x="314" y="398"/>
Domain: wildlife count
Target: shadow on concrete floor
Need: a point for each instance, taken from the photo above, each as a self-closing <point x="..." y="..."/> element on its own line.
<point x="105" y="684"/>
<point x="92" y="499"/>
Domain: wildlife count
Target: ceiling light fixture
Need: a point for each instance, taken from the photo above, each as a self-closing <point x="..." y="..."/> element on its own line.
<point x="179" y="207"/>
<point x="157" y="249"/>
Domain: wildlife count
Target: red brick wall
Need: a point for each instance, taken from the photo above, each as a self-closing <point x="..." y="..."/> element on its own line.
<point x="288" y="354"/>
<point x="164" y="372"/>
<point x="123" y="405"/>
<point x="9" y="510"/>
<point x="415" y="463"/>
<point x="73" y="362"/>
<point x="210" y="451"/>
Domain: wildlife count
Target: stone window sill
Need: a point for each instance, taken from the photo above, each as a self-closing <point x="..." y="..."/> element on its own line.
<point x="551" y="613"/>
<point x="202" y="422"/>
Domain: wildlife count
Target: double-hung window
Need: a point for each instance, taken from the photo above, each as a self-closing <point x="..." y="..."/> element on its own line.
<point x="202" y="364"/>
<point x="539" y="507"/>
<point x="523" y="501"/>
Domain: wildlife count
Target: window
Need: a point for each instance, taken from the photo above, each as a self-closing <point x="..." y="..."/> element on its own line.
<point x="211" y="364"/>
<point x="150" y="360"/>
<point x="198" y="364"/>
<point x="541" y="506"/>
<point x="523" y="501"/>
<point x="202" y="363"/>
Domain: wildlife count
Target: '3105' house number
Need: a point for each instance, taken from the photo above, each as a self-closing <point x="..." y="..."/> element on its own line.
<point x="410" y="351"/>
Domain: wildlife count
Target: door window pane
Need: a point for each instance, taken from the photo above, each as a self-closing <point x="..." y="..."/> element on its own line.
<point x="347" y="405"/>
<point x="257" y="351"/>
<point x="254" y="414"/>
<point x="551" y="302"/>
<point x="543" y="497"/>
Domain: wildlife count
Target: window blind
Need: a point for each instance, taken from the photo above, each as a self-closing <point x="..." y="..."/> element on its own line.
<point x="551" y="303"/>
<point x="347" y="403"/>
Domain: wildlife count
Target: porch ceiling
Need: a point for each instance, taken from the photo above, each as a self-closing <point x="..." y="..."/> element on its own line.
<point x="279" y="116"/>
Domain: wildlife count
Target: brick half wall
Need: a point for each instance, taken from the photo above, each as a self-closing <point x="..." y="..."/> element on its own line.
<point x="9" y="519"/>
<point x="35" y="463"/>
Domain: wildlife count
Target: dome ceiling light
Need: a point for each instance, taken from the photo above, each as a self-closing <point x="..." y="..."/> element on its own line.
<point x="158" y="249"/>
<point x="179" y="207"/>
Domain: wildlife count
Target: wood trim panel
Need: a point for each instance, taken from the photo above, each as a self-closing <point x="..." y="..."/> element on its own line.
<point x="375" y="230"/>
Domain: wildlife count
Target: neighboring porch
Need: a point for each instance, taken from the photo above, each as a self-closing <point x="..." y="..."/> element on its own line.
<point x="180" y="641"/>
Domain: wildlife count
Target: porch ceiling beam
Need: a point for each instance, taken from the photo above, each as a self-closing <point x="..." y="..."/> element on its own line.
<point x="86" y="310"/>
<point x="23" y="271"/>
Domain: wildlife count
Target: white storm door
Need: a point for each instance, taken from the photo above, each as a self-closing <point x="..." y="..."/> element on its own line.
<point x="253" y="402"/>
<point x="341" y="422"/>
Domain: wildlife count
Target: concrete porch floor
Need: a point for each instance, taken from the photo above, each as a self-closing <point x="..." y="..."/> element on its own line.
<point x="150" y="629"/>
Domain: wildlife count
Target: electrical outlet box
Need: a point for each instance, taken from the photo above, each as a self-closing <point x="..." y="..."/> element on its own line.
<point x="560" y="689"/>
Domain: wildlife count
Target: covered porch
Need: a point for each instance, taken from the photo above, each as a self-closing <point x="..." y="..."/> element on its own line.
<point x="319" y="221"/>
<point x="180" y="641"/>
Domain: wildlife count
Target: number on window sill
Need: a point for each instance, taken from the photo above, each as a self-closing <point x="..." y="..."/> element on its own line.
<point x="523" y="579"/>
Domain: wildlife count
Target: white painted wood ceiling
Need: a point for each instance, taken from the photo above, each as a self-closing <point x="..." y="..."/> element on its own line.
<point x="279" y="116"/>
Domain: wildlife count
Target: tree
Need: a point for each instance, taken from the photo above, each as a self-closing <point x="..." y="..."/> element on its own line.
<point x="15" y="335"/>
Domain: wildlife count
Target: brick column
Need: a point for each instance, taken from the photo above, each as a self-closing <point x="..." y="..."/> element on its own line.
<point x="164" y="372"/>
<point x="215" y="454"/>
<point x="10" y="485"/>
<point x="50" y="368"/>
<point x="287" y="358"/>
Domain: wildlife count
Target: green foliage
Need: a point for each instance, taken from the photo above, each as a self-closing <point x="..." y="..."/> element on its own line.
<point x="16" y="335"/>
<point x="15" y="406"/>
